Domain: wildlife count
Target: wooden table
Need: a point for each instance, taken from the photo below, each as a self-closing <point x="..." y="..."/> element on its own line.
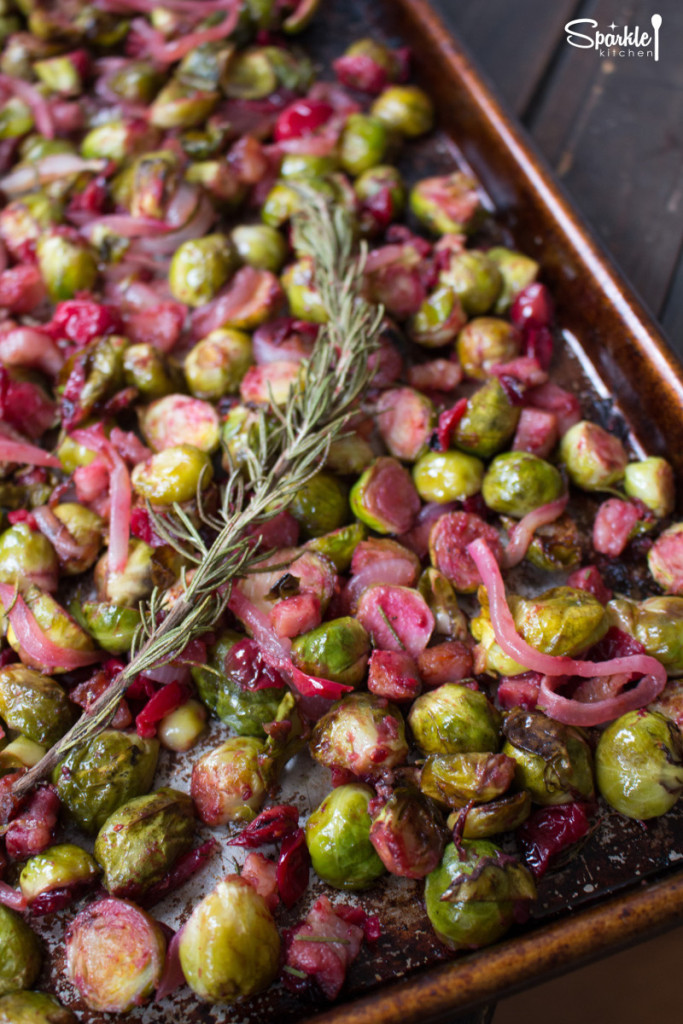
<point x="611" y="128"/>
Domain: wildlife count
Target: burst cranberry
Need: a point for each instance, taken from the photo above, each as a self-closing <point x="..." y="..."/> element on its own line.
<point x="589" y="578"/>
<point x="539" y="345"/>
<point x="82" y="320"/>
<point x="550" y="831"/>
<point x="246" y="665"/>
<point x="302" y="118"/>
<point x="448" y="421"/>
<point x="293" y="867"/>
<point x="269" y="826"/>
<point x="532" y="307"/>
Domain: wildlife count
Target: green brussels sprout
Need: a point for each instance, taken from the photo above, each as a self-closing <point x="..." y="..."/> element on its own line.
<point x="21" y="955"/>
<point x="447" y="476"/>
<point x="20" y="753"/>
<point x="438" y="319"/>
<point x="217" y="363"/>
<point x="35" y="147"/>
<point x="149" y="185"/>
<point x="488" y="657"/>
<point x="27" y="558"/>
<point x="67" y="264"/>
<point x="562" y="621"/>
<point x="142" y="840"/>
<point x="518" y="482"/>
<point x="180" y="730"/>
<point x="138" y="82"/>
<point x="178" y="105"/>
<point x="486" y="820"/>
<point x="250" y="75"/>
<point x="34" y="705"/>
<point x="230" y="782"/>
<point x="555" y="547"/>
<point x="595" y="459"/>
<point x="338" y="547"/>
<point x="652" y="482"/>
<point x="59" y="867"/>
<point x="639" y="764"/>
<point x="173" y="475"/>
<point x="406" y="419"/>
<point x="239" y="436"/>
<point x="23" y="220"/>
<point x="373" y="182"/>
<point x="382" y="56"/>
<point x="657" y="623"/>
<point x="320" y="505"/>
<point x="448" y="204"/>
<point x="178" y="419"/>
<point x="33" y="1008"/>
<point x="16" y="119"/>
<point x="338" y="649"/>
<point x="405" y="109"/>
<point x="489" y="421"/>
<point x="307" y="166"/>
<point x="230" y="946"/>
<point x="442" y="602"/>
<point x="280" y="205"/>
<point x="57" y="625"/>
<point x="96" y="779"/>
<point x="200" y="267"/>
<point x="454" y="719"/>
<point x="71" y="454"/>
<point x="133" y="584"/>
<point x="146" y="369"/>
<point x="552" y="761"/>
<point x="118" y="140"/>
<point x="219" y="179"/>
<point x="361" y="733"/>
<point x="458" y="779"/>
<point x="59" y="74"/>
<point x="338" y="839"/>
<point x="273" y="384"/>
<point x="218" y="685"/>
<point x="115" y="955"/>
<point x="517" y="271"/>
<point x="665" y="560"/>
<point x="363" y="143"/>
<point x="85" y="527"/>
<point x="475" y="279"/>
<point x="349" y="455"/>
<point x="260" y="246"/>
<point x="407" y="834"/>
<point x="102" y="364"/>
<point x="473" y="896"/>
<point x="484" y="342"/>
<point x="206" y="66"/>
<point x="304" y="301"/>
<point x="366" y="501"/>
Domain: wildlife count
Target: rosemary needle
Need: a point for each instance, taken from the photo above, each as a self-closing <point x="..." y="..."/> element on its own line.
<point x="286" y="454"/>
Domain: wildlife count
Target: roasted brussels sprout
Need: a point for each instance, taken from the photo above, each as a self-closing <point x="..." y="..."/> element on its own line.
<point x="55" y="623"/>
<point x="110" y="626"/>
<point x="338" y="649"/>
<point x="85" y="527"/>
<point x="560" y="621"/>
<point x="454" y="719"/>
<point x="21" y="956"/>
<point x="180" y="729"/>
<point x="447" y="476"/>
<point x="133" y="584"/>
<point x="517" y="271"/>
<point x="407" y="834"/>
<point x="595" y="459"/>
<point x="457" y="779"/>
<point x="555" y="547"/>
<point x="146" y="369"/>
<point x="320" y="505"/>
<point x="178" y="419"/>
<point x="448" y="204"/>
<point x="67" y="263"/>
<point x="59" y="867"/>
<point x="200" y="267"/>
<point x="363" y="143"/>
<point x="519" y="482"/>
<point x="95" y="780"/>
<point x="486" y="820"/>
<point x="405" y="420"/>
<point x="34" y="705"/>
<point x="652" y="482"/>
<point x="260" y="246"/>
<point x="141" y="841"/>
<point x="230" y="946"/>
<point x="27" y="558"/>
<point x="230" y="782"/>
<point x="173" y="475"/>
<point x="639" y="764"/>
<point x="405" y="109"/>
<point x="298" y="281"/>
<point x="488" y="423"/>
<point x="552" y="761"/>
<point x="657" y="623"/>
<point x="473" y="896"/>
<point x="338" y="839"/>
<point x="384" y="497"/>
<point x="114" y="955"/>
<point x="484" y="342"/>
<point x="361" y="733"/>
<point x="438" y="319"/>
<point x="338" y="546"/>
<point x="475" y="279"/>
<point x="178" y="105"/>
<point x="217" y="364"/>
<point x="665" y="559"/>
<point x="33" y="1008"/>
<point x="442" y="602"/>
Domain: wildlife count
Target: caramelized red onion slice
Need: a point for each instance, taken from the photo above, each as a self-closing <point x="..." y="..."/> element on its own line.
<point x="555" y="669"/>
<point x="119" y="493"/>
<point x="522" y="533"/>
<point x="26" y="454"/>
<point x="172" y="977"/>
<point x="12" y="898"/>
<point x="33" y="640"/>
<point x="395" y="571"/>
<point x="125" y="225"/>
<point x="30" y="348"/>
<point x="56" y="532"/>
<point x="275" y="649"/>
<point x="50" y="168"/>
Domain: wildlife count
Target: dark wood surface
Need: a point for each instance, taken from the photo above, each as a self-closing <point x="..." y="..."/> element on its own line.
<point x="611" y="128"/>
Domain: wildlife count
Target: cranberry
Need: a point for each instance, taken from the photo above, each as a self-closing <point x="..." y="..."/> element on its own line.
<point x="293" y="867"/>
<point x="448" y="421"/>
<point x="548" y="832"/>
<point x="269" y="826"/>
<point x="532" y="307"/>
<point x="302" y="118"/>
<point x="246" y="665"/>
<point x="142" y="527"/>
<point x="82" y="320"/>
<point x="539" y="345"/>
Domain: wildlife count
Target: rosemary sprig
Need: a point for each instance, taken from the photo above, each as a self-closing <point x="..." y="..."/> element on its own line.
<point x="286" y="454"/>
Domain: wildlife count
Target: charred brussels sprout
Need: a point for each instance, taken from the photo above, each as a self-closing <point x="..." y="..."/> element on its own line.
<point x="55" y="623"/>
<point x="652" y="482"/>
<point x="67" y="264"/>
<point x="146" y="369"/>
<point x="338" y="546"/>
<point x="230" y="946"/>
<point x="560" y="621"/>
<point x="657" y="623"/>
<point x="473" y="896"/>
<point x="489" y="421"/>
<point x="174" y="475"/>
<point x="260" y="246"/>
<point x="519" y="482"/>
<point x="447" y="476"/>
<point x="338" y="839"/>
<point x="555" y="547"/>
<point x="454" y="719"/>
<point x="405" y="109"/>
<point x="142" y="840"/>
<point x="95" y="780"/>
<point x="337" y="650"/>
<point x="484" y="342"/>
<point x="363" y="143"/>
<point x="407" y="834"/>
<point x="178" y="419"/>
<point x="639" y="764"/>
<point x="34" y="705"/>
<point x="320" y="505"/>
<point x="475" y="279"/>
<point x="200" y="267"/>
<point x="137" y="82"/>
<point x="457" y="779"/>
<point x="114" y="955"/>
<point x="21" y="956"/>
<point x="59" y="867"/>
<point x="486" y="820"/>
<point x="361" y="733"/>
<point x="517" y="271"/>
<point x="552" y="761"/>
<point x="27" y="557"/>
<point x="33" y="1008"/>
<point x="230" y="782"/>
<point x="442" y="602"/>
<point x="595" y="459"/>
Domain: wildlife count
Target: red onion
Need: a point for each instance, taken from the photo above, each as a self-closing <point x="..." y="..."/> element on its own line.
<point x="57" y="533"/>
<point x="165" y="245"/>
<point x="313" y="686"/>
<point x="574" y="712"/>
<point x="521" y="534"/>
<point x="276" y="650"/>
<point x="229" y="300"/>
<point x="172" y="976"/>
<point x="28" y="454"/>
<point x="397" y="571"/>
<point x="119" y="490"/>
<point x="13" y="898"/>
<point x="31" y="348"/>
<point x="167" y="53"/>
<point x="125" y="225"/>
<point x="33" y="641"/>
<point x="167" y="674"/>
<point x="30" y="95"/>
<point x="49" y="168"/>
